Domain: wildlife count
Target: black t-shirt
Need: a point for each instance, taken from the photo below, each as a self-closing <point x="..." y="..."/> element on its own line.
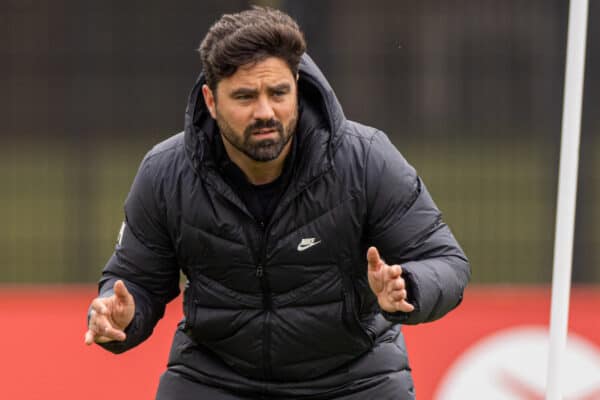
<point x="260" y="199"/>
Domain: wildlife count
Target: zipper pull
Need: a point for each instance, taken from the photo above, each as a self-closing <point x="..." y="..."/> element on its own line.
<point x="259" y="271"/>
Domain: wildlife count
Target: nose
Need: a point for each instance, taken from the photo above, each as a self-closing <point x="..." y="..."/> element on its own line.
<point x="263" y="110"/>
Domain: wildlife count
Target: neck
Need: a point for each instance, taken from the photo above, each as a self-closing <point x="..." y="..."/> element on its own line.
<point x="258" y="172"/>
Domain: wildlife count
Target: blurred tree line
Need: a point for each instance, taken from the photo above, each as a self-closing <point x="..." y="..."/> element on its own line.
<point x="469" y="91"/>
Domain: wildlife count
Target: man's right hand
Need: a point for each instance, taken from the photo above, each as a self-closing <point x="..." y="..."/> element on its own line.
<point x="110" y="316"/>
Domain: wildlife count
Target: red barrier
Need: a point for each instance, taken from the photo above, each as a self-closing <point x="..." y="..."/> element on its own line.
<point x="504" y="322"/>
<point x="44" y="356"/>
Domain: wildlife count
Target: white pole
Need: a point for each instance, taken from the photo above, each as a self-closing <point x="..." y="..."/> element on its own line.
<point x="567" y="194"/>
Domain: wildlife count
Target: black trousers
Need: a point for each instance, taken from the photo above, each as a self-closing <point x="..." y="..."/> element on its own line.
<point x="174" y="386"/>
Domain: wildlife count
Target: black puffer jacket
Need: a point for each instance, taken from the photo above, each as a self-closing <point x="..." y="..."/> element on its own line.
<point x="285" y="308"/>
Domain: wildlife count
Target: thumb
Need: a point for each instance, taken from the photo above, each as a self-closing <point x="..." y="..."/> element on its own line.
<point x="373" y="258"/>
<point x="121" y="291"/>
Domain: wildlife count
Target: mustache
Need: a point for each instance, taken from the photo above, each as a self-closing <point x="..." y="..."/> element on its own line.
<point x="263" y="124"/>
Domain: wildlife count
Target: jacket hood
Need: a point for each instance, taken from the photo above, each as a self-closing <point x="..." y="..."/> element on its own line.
<point x="313" y="89"/>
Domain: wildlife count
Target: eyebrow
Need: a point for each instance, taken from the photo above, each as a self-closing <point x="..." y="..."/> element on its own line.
<point x="245" y="91"/>
<point x="282" y="87"/>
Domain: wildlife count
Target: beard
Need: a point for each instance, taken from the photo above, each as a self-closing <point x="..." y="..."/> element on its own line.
<point x="261" y="150"/>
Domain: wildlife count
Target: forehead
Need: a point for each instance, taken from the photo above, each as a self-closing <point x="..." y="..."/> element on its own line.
<point x="270" y="71"/>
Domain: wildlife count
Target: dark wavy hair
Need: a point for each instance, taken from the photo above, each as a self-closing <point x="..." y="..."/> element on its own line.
<point x="248" y="37"/>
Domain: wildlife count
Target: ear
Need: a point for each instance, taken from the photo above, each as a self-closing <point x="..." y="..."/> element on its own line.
<point x="209" y="100"/>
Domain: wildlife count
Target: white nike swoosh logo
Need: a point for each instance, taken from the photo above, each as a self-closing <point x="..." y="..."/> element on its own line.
<point x="307" y="244"/>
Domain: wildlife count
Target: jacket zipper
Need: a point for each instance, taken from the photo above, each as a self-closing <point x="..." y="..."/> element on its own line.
<point x="267" y="302"/>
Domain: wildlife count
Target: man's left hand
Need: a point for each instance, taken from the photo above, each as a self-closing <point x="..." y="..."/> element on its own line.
<point x="387" y="283"/>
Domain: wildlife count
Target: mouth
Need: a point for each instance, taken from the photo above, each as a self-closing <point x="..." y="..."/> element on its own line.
<point x="264" y="132"/>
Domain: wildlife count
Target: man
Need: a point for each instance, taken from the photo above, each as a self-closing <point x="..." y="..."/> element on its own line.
<point x="278" y="210"/>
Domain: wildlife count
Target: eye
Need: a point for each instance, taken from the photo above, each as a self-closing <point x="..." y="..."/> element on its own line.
<point x="279" y="94"/>
<point x="243" y="97"/>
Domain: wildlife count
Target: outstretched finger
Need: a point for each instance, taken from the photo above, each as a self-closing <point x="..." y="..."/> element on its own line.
<point x="404" y="306"/>
<point x="121" y="291"/>
<point x="89" y="337"/>
<point x="374" y="259"/>
<point x="397" y="295"/>
<point x="111" y="333"/>
<point x="102" y="325"/>
<point x="103" y="333"/>
<point x="394" y="271"/>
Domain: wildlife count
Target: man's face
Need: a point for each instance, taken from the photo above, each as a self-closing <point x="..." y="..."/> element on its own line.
<point x="256" y="108"/>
